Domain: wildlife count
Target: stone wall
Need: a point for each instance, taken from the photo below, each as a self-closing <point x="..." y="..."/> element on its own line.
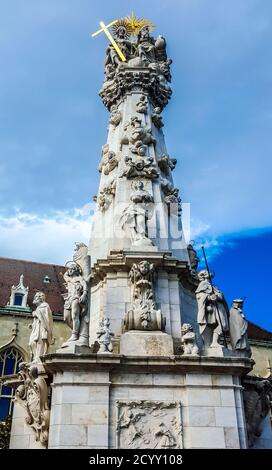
<point x="262" y="355"/>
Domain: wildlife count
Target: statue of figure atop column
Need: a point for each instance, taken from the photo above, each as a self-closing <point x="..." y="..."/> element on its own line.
<point x="213" y="312"/>
<point x="76" y="305"/>
<point x="238" y="328"/>
<point x="132" y="47"/>
<point x="41" y="329"/>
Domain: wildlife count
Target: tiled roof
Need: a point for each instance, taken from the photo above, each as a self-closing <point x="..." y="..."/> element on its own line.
<point x="256" y="332"/>
<point x="34" y="273"/>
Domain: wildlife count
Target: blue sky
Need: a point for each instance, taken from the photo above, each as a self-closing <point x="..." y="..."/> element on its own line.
<point x="218" y="125"/>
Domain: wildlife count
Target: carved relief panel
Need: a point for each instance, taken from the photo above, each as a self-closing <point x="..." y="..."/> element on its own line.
<point x="145" y="424"/>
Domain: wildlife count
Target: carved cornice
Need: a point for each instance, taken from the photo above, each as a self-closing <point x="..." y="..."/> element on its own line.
<point x="57" y="362"/>
<point x="129" y="79"/>
<point x="123" y="261"/>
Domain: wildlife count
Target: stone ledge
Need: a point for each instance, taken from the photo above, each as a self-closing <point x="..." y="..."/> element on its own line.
<point x="171" y="364"/>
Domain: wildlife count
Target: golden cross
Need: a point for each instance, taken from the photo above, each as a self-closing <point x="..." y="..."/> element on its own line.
<point x="104" y="28"/>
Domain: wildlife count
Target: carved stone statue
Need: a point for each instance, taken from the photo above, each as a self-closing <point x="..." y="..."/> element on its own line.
<point x="257" y="403"/>
<point x="171" y="198"/>
<point x="139" y="149"/>
<point x="109" y="160"/>
<point x="152" y="53"/>
<point x="135" y="132"/>
<point x="32" y="395"/>
<point x="143" y="315"/>
<point x="105" y="197"/>
<point x="115" y="116"/>
<point x="139" y="194"/>
<point x="135" y="216"/>
<point x="146" y="68"/>
<point x="238" y="328"/>
<point x="146" y="46"/>
<point x="188" y="340"/>
<point x="212" y="311"/>
<point x="143" y="167"/>
<point x="126" y="47"/>
<point x="194" y="260"/>
<point x="141" y="105"/>
<point x="77" y="280"/>
<point x="156" y="118"/>
<point x="166" y="164"/>
<point x="42" y="328"/>
<point x="104" y="335"/>
<point x="167" y="186"/>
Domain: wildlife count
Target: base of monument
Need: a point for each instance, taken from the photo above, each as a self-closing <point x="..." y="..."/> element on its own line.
<point x="219" y="351"/>
<point x="141" y="247"/>
<point x="95" y="397"/>
<point x="146" y="343"/>
<point x="73" y="348"/>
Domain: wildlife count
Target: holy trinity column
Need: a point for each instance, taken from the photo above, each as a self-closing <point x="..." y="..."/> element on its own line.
<point x="138" y="215"/>
<point x="138" y="206"/>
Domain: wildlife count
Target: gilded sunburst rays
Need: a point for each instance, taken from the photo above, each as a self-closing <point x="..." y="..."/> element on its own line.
<point x="132" y="25"/>
<point x="122" y="25"/>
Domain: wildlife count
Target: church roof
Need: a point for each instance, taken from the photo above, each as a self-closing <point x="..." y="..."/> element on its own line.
<point x="34" y="274"/>
<point x="258" y="333"/>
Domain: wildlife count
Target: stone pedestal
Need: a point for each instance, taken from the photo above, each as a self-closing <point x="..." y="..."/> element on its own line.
<point x="146" y="343"/>
<point x="113" y="401"/>
<point x="73" y="348"/>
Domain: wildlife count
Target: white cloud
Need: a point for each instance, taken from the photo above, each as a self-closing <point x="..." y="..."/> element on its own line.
<point x="48" y="238"/>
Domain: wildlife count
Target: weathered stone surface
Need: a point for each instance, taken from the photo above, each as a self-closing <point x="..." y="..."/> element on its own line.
<point x="199" y="396"/>
<point x="151" y="343"/>
<point x="232" y="438"/>
<point x="225" y="416"/>
<point x="198" y="379"/>
<point x="201" y="416"/>
<point x="207" y="437"/>
<point x="98" y="436"/>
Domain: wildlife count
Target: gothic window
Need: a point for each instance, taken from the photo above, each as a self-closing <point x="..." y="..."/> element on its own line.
<point x="10" y="359"/>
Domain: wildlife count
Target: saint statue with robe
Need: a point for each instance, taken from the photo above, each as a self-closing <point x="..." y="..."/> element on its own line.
<point x="212" y="311"/>
<point x="238" y="328"/>
<point x="42" y="328"/>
